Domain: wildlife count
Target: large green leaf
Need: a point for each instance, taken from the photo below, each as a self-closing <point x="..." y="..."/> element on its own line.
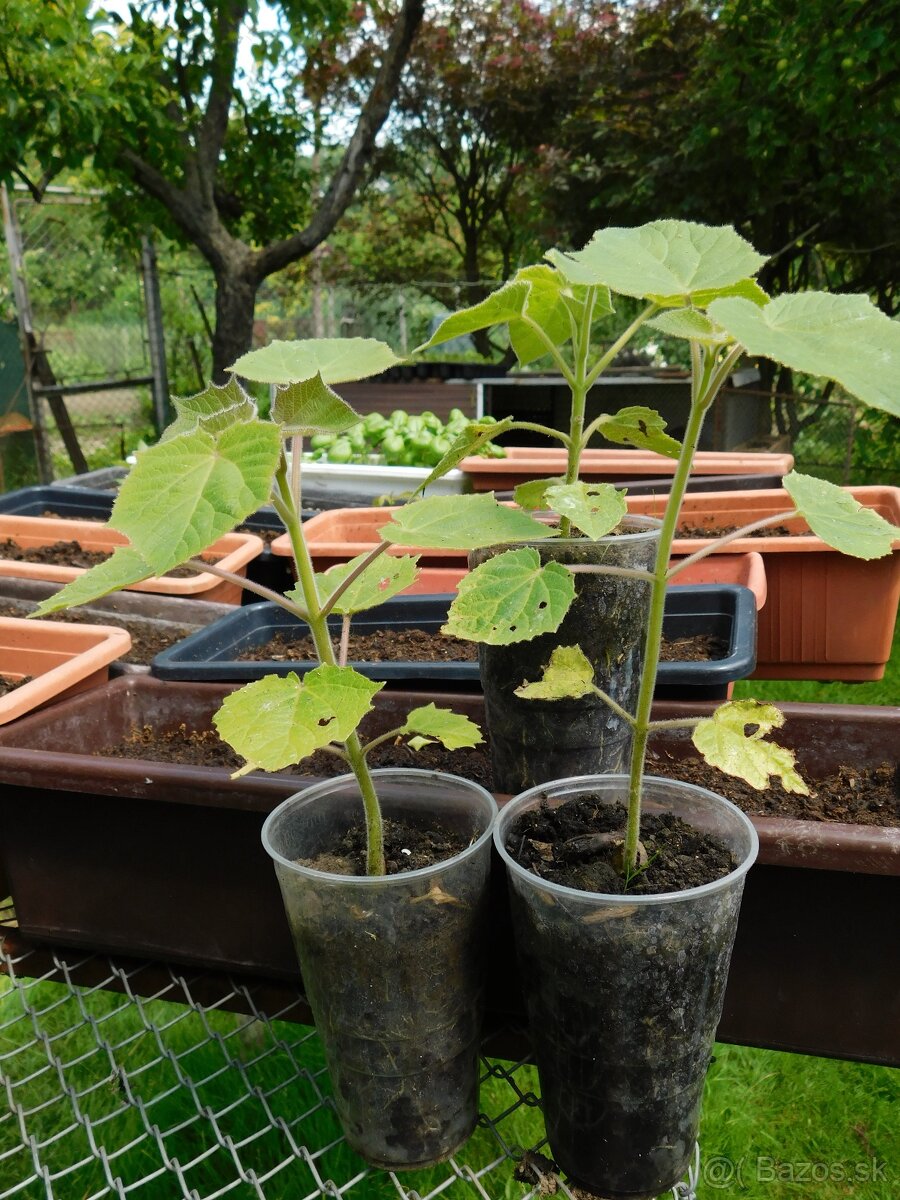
<point x="461" y="523"/>
<point x="834" y="516"/>
<point x="846" y="338"/>
<point x="124" y="568"/>
<point x="511" y="598"/>
<point x="452" y="730"/>
<point x="665" y="260"/>
<point x="470" y="441"/>
<point x="594" y="508"/>
<point x="381" y="580"/>
<point x="311" y="407"/>
<point x="275" y="722"/>
<point x="337" y="360"/>
<point x="724" y="743"/>
<point x="568" y="676"/>
<point x="180" y="497"/>
<point x="533" y="494"/>
<point x="499" y="308"/>
<point x="640" y="427"/>
<point x="213" y="409"/>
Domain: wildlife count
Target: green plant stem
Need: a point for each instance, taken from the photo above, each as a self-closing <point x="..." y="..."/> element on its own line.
<point x="744" y="531"/>
<point x="598" y="569"/>
<point x="332" y="600"/>
<point x="318" y="626"/>
<point x="701" y="398"/>
<point x="545" y="430"/>
<point x="257" y="588"/>
<point x="384" y="737"/>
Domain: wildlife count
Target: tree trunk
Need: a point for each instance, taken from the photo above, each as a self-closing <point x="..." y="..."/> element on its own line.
<point x="235" y="304"/>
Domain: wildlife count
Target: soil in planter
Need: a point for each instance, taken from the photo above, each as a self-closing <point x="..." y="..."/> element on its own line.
<point x="870" y="796"/>
<point x="204" y="748"/>
<point x="73" y="554"/>
<point x="717" y="531"/>
<point x="10" y="685"/>
<point x="422" y="645"/>
<point x="576" y="844"/>
<point x="146" y="642"/>
<point x="406" y="848"/>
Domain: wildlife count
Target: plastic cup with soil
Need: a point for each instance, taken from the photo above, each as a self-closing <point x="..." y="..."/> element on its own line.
<point x="393" y="965"/>
<point x="624" y="979"/>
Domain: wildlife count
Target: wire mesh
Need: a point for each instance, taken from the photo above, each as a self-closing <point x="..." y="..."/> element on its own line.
<point x="114" y="1093"/>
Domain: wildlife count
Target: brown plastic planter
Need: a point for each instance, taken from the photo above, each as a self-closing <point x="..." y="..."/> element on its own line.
<point x="235" y="549"/>
<point x="165" y="861"/>
<point x="828" y="615"/>
<point x="532" y="462"/>
<point x="61" y="659"/>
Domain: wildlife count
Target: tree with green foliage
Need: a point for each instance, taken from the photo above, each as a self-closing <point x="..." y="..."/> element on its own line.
<point x="187" y="138"/>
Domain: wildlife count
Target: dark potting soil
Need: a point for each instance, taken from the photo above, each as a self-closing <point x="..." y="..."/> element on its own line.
<point x="73" y="554"/>
<point x="204" y="748"/>
<point x="146" y="643"/>
<point x="267" y="535"/>
<point x="406" y="848"/>
<point x="576" y="845"/>
<point x="422" y="645"/>
<point x="10" y="685"/>
<point x="717" y="531"/>
<point x="870" y="796"/>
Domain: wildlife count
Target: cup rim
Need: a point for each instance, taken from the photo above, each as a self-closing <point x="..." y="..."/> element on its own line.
<point x="412" y="773"/>
<point x="573" y="783"/>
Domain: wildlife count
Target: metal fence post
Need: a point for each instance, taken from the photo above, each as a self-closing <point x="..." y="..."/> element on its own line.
<point x="155" y="334"/>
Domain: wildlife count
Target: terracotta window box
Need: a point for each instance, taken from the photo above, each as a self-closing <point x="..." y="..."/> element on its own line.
<point x="60" y="660"/>
<point x="828" y="615"/>
<point x="235" y="550"/>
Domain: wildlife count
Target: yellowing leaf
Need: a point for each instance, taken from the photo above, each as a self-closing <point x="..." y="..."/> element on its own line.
<point x="461" y="523"/>
<point x="511" y="598"/>
<point x="452" y="730"/>
<point x="594" y="508"/>
<point x="568" y="675"/>
<point x="278" y="721"/>
<point x="840" y="520"/>
<point x="724" y="743"/>
<point x="641" y="427"/>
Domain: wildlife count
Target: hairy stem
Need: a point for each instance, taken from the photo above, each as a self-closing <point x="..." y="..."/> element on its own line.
<point x="744" y="531"/>
<point x="257" y="588"/>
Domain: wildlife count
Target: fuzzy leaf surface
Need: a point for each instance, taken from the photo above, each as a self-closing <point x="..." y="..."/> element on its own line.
<point x="213" y="409"/>
<point x="724" y="743"/>
<point x="452" y="730"/>
<point x="692" y="324"/>
<point x="533" y="494"/>
<point x="594" y="508"/>
<point x="510" y="598"/>
<point x="311" y="407"/>
<point x="277" y="721"/>
<point x="568" y="675"/>
<point x="840" y="520"/>
<point x="665" y="261"/>
<point x="381" y="580"/>
<point x="845" y="338"/>
<point x="461" y="523"/>
<point x="499" y="308"/>
<point x="123" y="568"/>
<point x="641" y="427"/>
<point x="337" y="360"/>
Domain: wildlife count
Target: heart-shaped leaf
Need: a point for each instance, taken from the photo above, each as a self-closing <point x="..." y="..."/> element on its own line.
<point x="510" y="598"/>
<point x="594" y="508"/>
<point x="640" y="427"/>
<point x="840" y="520"/>
<point x="278" y="721"/>
<point x="665" y="260"/>
<point x="568" y="675"/>
<point x="213" y="409"/>
<point x="845" y="338"/>
<point x="381" y="580"/>
<point x="724" y="743"/>
<point x="337" y="360"/>
<point x="311" y="407"/>
<point x="452" y="730"/>
<point x="461" y="523"/>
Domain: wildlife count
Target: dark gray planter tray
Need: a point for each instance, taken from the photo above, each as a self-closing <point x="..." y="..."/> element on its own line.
<point x="726" y="610"/>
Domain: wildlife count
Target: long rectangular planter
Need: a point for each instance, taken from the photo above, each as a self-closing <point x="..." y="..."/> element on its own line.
<point x="828" y="615"/>
<point x="165" y="861"/>
<point x="536" y="462"/>
<point x="211" y="653"/>
<point x="235" y="551"/>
